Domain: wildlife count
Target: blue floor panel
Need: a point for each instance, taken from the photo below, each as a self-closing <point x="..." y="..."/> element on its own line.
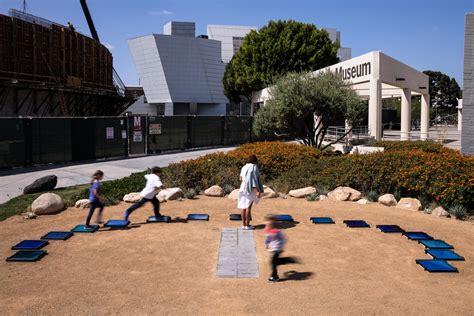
<point x="436" y="265"/>
<point x="198" y="217"/>
<point x="84" y="229"/>
<point x="435" y="244"/>
<point x="117" y="223"/>
<point x="417" y="236"/>
<point x="322" y="220"/>
<point x="30" y="245"/>
<point x="159" y="219"/>
<point x="390" y="229"/>
<point x="57" y="236"/>
<point x="283" y="218"/>
<point x="27" y="256"/>
<point x="356" y="223"/>
<point x="235" y="217"/>
<point x="441" y="254"/>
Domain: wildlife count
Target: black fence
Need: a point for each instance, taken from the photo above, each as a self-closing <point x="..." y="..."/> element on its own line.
<point x="37" y="141"/>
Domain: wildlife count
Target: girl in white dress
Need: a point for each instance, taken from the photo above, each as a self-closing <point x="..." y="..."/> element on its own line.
<point x="250" y="190"/>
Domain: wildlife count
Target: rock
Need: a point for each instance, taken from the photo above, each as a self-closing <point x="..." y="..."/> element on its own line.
<point x="214" y="191"/>
<point x="440" y="212"/>
<point x="171" y="194"/>
<point x="132" y="197"/>
<point x="161" y="199"/>
<point x="409" y="204"/>
<point x="388" y="200"/>
<point x="268" y="193"/>
<point x="29" y="215"/>
<point x="47" y="203"/>
<point x="301" y="193"/>
<point x="84" y="203"/>
<point x="344" y="194"/>
<point x="323" y="197"/>
<point x="363" y="201"/>
<point x="234" y="195"/>
<point x="41" y="185"/>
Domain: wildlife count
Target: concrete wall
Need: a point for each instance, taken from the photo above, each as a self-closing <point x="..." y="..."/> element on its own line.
<point x="467" y="134"/>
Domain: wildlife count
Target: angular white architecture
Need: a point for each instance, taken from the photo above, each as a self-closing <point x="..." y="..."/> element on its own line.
<point x="231" y="37"/>
<point x="375" y="76"/>
<point x="181" y="74"/>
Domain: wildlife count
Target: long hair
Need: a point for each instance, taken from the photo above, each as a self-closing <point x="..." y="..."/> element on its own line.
<point x="96" y="175"/>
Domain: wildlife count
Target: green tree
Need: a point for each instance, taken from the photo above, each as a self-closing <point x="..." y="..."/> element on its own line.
<point x="304" y="105"/>
<point x="274" y="50"/>
<point x="444" y="92"/>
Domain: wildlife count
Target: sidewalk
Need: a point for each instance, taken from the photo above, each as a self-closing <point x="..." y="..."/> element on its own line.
<point x="12" y="182"/>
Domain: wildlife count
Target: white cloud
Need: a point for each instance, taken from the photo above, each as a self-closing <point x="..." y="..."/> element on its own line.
<point x="162" y="12"/>
<point x="109" y="46"/>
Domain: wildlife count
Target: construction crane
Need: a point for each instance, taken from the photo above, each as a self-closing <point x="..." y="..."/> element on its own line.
<point x="118" y="83"/>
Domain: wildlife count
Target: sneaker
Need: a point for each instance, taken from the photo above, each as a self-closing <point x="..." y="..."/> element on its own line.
<point x="245" y="228"/>
<point x="251" y="227"/>
<point x="273" y="279"/>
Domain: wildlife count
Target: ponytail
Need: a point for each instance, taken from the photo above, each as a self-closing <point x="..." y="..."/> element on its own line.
<point x="96" y="175"/>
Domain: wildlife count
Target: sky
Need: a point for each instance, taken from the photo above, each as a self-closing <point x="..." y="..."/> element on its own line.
<point x="425" y="34"/>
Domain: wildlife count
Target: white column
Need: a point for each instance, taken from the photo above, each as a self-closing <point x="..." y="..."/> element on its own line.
<point x="425" y="116"/>
<point x="405" y="126"/>
<point x="375" y="109"/>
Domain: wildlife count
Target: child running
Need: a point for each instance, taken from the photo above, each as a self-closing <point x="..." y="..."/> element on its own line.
<point x="274" y="241"/>
<point x="95" y="199"/>
<point x="148" y="194"/>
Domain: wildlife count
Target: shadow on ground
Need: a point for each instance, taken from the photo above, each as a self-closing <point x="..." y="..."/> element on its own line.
<point x="296" y="276"/>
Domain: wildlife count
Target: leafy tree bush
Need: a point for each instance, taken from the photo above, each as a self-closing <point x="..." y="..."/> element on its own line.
<point x="303" y="106"/>
<point x="274" y="50"/>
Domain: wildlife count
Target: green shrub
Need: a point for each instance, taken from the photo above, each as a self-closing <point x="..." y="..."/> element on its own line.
<point x="190" y="193"/>
<point x="373" y="196"/>
<point x="114" y="190"/>
<point x="426" y="146"/>
<point x="458" y="211"/>
<point x="228" y="188"/>
<point x="312" y="197"/>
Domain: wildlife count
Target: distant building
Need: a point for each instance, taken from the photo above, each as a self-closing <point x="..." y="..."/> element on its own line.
<point x="344" y="53"/>
<point x="231" y="37"/>
<point x="467" y="134"/>
<point x="181" y="74"/>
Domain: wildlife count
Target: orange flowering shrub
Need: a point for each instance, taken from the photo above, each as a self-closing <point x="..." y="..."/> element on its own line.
<point x="275" y="158"/>
<point x="446" y="177"/>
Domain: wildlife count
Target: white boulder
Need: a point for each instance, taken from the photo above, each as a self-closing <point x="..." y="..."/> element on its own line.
<point x="409" y="204"/>
<point x="301" y="193"/>
<point x="268" y="193"/>
<point x="171" y="194"/>
<point x="132" y="197"/>
<point x="344" y="194"/>
<point x="47" y="203"/>
<point x="234" y="195"/>
<point x="215" y="191"/>
<point x="363" y="201"/>
<point x="440" y="212"/>
<point x="388" y="200"/>
<point x="323" y="197"/>
<point x="83" y="203"/>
